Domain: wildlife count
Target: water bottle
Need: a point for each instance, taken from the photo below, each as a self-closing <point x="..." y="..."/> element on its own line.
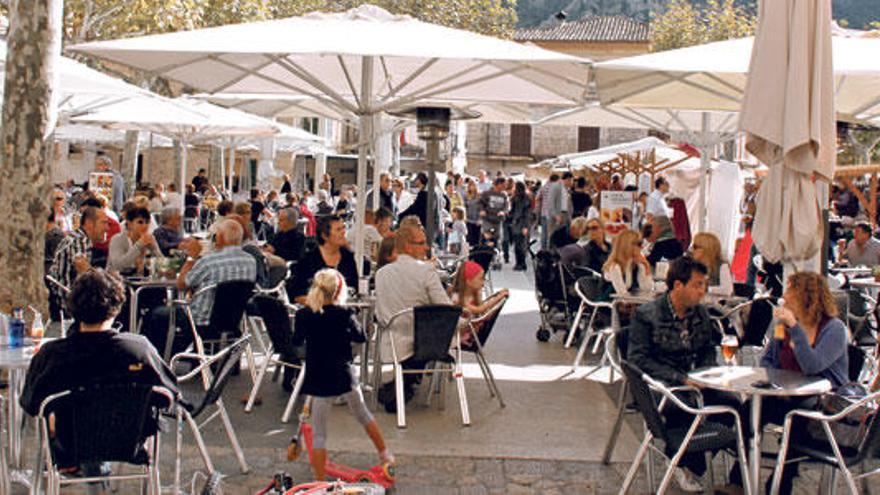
<point x="16" y="328"/>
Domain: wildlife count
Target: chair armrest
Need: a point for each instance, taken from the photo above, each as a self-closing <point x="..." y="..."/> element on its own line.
<point x="205" y="361"/>
<point x="832" y="418"/>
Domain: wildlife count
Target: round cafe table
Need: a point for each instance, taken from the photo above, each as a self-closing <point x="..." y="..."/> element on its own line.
<point x="755" y="383"/>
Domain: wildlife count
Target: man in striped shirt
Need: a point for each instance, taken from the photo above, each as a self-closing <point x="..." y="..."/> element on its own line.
<point x="74" y="254"/>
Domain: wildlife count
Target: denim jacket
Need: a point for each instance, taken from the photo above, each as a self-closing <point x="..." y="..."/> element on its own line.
<point x="668" y="348"/>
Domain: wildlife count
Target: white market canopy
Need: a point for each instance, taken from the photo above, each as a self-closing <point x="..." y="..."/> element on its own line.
<point x="713" y="77"/>
<point x="95" y="134"/>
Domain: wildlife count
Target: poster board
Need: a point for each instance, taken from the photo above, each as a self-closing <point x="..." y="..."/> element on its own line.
<point x="102" y="183"/>
<point x="617" y="211"/>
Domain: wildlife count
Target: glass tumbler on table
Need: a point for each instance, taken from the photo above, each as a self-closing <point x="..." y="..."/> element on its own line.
<point x="729" y="345"/>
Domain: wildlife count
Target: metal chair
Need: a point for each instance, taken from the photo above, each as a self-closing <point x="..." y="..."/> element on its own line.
<point x="274" y="321"/>
<point x="589" y="289"/>
<point x="434" y="327"/>
<point x="481" y="327"/>
<point x="828" y="452"/>
<point x="223" y="362"/>
<point x="702" y="436"/>
<point x="100" y="423"/>
<point x="615" y="347"/>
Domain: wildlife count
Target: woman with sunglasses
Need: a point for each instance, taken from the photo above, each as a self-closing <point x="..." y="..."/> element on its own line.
<point x="626" y="268"/>
<point x="597" y="248"/>
<point x="63" y="221"/>
<point x="707" y="250"/>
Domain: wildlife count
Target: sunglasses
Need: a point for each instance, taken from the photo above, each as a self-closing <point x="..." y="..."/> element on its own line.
<point x="58" y="199"/>
<point x="593" y="227"/>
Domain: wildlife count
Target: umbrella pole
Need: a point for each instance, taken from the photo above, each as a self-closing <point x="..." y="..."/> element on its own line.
<point x="231" y="175"/>
<point x="222" y="165"/>
<point x="366" y="136"/>
<point x="378" y="142"/>
<point x="182" y="186"/>
<point x="705" y="162"/>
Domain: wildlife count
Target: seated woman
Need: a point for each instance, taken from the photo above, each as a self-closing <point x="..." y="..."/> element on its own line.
<point x="626" y="268"/>
<point x="466" y="291"/>
<point x="810" y="340"/>
<point x="598" y="249"/>
<point x="128" y="249"/>
<point x="332" y="252"/>
<point x="707" y="250"/>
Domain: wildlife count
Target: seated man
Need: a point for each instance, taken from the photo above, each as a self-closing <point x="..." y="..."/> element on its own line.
<point x="672" y="336"/>
<point x="288" y="241"/>
<point x="408" y="282"/>
<point x="227" y="262"/>
<point x="168" y="234"/>
<point x="74" y="254"/>
<point x="95" y="354"/>
<point x="863" y="249"/>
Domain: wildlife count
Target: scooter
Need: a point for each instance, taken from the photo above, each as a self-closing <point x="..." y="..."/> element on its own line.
<point x="382" y="474"/>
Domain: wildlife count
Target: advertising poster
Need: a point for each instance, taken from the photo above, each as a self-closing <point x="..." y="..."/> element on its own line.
<point x="617" y="211"/>
<point x="102" y="183"/>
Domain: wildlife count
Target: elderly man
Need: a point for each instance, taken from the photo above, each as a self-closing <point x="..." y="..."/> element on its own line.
<point x="408" y="282"/>
<point x="288" y="241"/>
<point x="864" y="249"/>
<point x="168" y="234"/>
<point x="74" y="255"/>
<point x="104" y="165"/>
<point x="227" y="262"/>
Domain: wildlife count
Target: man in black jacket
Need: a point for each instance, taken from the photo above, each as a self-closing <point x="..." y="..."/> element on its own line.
<point x="419" y="207"/>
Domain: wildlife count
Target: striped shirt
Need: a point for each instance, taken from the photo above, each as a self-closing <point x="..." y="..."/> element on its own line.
<point x="63" y="268"/>
<point x="227" y="265"/>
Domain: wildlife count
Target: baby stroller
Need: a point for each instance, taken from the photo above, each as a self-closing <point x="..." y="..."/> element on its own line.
<point x="553" y="300"/>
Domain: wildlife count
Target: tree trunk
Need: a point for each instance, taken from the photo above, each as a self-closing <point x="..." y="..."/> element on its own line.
<point x="34" y="44"/>
<point x="130" y="161"/>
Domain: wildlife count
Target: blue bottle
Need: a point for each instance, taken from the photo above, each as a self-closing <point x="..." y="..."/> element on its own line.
<point x="16" y="328"/>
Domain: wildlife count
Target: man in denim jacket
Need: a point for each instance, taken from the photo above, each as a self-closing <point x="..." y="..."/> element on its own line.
<point x="672" y="335"/>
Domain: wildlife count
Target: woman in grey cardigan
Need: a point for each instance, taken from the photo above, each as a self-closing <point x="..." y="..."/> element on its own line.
<point x="129" y="248"/>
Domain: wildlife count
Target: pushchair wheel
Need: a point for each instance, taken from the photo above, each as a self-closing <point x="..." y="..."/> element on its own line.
<point x="542" y="335"/>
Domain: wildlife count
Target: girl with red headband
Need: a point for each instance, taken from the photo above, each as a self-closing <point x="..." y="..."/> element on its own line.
<point x="467" y="292"/>
<point x="329" y="329"/>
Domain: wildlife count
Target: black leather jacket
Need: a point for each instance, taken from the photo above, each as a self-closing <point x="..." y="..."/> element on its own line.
<point x="668" y="348"/>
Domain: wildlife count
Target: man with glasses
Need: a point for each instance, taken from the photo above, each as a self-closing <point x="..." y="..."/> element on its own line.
<point x="408" y="282"/>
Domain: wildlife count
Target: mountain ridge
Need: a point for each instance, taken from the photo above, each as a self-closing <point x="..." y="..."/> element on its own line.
<point x="858" y="13"/>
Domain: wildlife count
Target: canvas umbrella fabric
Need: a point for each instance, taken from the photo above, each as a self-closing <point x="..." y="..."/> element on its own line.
<point x="788" y="113"/>
<point x="364" y="61"/>
<point x="188" y="121"/>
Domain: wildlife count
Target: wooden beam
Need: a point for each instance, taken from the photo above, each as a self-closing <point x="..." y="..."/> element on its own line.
<point x="856" y="170"/>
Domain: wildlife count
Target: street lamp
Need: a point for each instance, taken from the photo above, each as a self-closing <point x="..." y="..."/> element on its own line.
<point x="432" y="126"/>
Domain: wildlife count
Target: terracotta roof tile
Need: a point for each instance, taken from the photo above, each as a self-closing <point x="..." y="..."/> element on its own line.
<point x="614" y="28"/>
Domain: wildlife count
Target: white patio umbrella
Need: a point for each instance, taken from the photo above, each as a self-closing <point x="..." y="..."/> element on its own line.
<point x="363" y="61"/>
<point x="97" y="134"/>
<point x="187" y="121"/>
<point x="788" y="113"/>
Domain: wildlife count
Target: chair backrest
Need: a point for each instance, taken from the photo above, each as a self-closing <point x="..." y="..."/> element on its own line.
<point x="277" y="320"/>
<point x="483" y="256"/>
<point x="742" y="289"/>
<point x="222" y="371"/>
<point x="593" y="288"/>
<point x="857" y="304"/>
<point x="644" y="399"/>
<point x="856" y="359"/>
<point x="104" y="422"/>
<point x="485" y="324"/>
<point x="230" y="301"/>
<point x="433" y="328"/>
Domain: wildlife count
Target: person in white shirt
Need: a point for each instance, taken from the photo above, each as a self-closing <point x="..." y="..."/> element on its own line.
<point x="627" y="269"/>
<point x="172" y="197"/>
<point x="707" y="249"/>
<point x="408" y="282"/>
<point x="372" y="237"/>
<point x="656" y="206"/>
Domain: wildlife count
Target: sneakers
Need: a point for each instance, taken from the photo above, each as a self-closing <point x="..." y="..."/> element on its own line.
<point x="686" y="481"/>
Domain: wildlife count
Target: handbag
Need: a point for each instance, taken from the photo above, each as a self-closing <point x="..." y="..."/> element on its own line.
<point x="850" y="430"/>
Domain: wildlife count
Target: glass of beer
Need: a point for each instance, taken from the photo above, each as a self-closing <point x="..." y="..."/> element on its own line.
<point x="729" y="344"/>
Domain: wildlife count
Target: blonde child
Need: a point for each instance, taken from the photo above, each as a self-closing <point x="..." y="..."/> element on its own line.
<point x="329" y="329"/>
<point x="458" y="232"/>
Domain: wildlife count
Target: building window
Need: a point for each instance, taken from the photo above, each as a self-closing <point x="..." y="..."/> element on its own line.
<point x="520" y="140"/>
<point x="588" y="138"/>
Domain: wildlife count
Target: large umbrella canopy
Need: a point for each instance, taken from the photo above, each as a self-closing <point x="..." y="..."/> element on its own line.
<point x="182" y="119"/>
<point x="713" y="76"/>
<point x="80" y="87"/>
<point x="788" y="114"/>
<point x="363" y="61"/>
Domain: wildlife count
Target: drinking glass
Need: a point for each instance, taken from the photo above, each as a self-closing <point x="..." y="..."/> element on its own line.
<point x="729" y="345"/>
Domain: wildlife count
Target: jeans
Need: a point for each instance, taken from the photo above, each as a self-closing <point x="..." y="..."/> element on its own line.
<point x="507" y="240"/>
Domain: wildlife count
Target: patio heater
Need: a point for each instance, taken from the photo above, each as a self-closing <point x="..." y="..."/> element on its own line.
<point x="432" y="126"/>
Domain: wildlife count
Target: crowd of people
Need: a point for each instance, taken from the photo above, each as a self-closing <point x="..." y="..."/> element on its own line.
<point x="305" y="242"/>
